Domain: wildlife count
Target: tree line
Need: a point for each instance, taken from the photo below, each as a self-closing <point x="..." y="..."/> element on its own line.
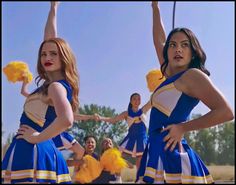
<point x="215" y="146"/>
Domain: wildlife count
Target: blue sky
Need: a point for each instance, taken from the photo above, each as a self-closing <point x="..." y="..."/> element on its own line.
<point x="113" y="45"/>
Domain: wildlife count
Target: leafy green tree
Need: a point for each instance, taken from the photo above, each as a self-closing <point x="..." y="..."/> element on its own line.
<point x="190" y="136"/>
<point x="205" y="142"/>
<point x="226" y="144"/>
<point x="215" y="145"/>
<point x="100" y="130"/>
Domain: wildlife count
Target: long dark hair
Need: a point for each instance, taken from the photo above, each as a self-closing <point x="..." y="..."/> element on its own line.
<point x="130" y="105"/>
<point x="198" y="55"/>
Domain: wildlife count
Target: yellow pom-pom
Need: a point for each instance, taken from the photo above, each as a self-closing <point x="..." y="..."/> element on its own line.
<point x="18" y="71"/>
<point x="89" y="171"/>
<point x="112" y="161"/>
<point x="154" y="79"/>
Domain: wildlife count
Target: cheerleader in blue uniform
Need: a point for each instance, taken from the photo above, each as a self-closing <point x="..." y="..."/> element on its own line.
<point x="32" y="156"/>
<point x="135" y="141"/>
<point x="167" y="157"/>
<point x="63" y="141"/>
<point x="66" y="141"/>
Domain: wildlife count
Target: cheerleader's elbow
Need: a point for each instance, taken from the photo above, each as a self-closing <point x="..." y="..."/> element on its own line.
<point x="67" y="122"/>
<point x="229" y="114"/>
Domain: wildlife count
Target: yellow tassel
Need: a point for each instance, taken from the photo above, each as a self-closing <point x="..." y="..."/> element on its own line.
<point x="89" y="170"/>
<point x="154" y="79"/>
<point x="17" y="71"/>
<point x="112" y="161"/>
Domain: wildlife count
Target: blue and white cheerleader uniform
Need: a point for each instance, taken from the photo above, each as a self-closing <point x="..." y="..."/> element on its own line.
<point x="135" y="141"/>
<point x="170" y="106"/>
<point x="41" y="162"/>
<point x="64" y="141"/>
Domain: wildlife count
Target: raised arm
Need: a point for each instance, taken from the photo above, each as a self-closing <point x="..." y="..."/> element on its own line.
<point x="25" y="84"/>
<point x="115" y="119"/>
<point x="146" y="107"/>
<point x="50" y="30"/>
<point x="159" y="36"/>
<point x="24" y="89"/>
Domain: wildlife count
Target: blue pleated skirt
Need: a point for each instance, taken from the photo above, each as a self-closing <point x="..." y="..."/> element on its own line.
<point x="41" y="162"/>
<point x="64" y="141"/>
<point x="135" y="141"/>
<point x="160" y="166"/>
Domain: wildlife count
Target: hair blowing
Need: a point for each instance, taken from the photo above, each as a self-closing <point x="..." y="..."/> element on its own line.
<point x="198" y="55"/>
<point x="69" y="69"/>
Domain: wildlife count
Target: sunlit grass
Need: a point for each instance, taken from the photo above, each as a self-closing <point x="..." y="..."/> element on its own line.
<point x="218" y="173"/>
<point x="128" y="175"/>
<point x="222" y="172"/>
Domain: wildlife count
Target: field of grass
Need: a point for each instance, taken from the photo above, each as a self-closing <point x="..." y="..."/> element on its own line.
<point x="223" y="173"/>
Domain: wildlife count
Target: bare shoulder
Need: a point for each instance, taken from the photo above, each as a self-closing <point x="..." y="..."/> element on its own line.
<point x="192" y="80"/>
<point x="195" y="73"/>
<point x="55" y="87"/>
<point x="192" y="75"/>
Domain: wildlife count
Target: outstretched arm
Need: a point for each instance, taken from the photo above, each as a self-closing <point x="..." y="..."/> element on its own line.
<point x="159" y="36"/>
<point x="115" y="119"/>
<point x="84" y="117"/>
<point x="146" y="107"/>
<point x="50" y="30"/>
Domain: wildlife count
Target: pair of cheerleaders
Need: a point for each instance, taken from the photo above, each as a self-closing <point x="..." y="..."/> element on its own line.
<point x="167" y="156"/>
<point x="133" y="143"/>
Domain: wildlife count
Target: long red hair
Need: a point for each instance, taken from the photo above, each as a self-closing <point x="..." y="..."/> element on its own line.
<point x="69" y="69"/>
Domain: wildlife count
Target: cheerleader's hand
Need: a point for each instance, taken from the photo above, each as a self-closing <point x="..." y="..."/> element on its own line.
<point x="27" y="133"/>
<point x="154" y="4"/>
<point x="97" y="117"/>
<point x="55" y="4"/>
<point x="176" y="133"/>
